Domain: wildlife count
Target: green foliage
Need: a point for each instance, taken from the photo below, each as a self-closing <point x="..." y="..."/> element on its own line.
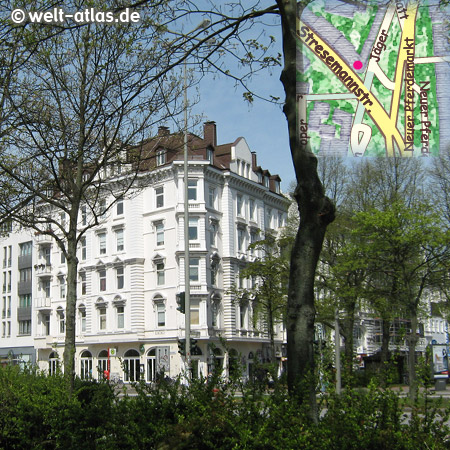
<point x="269" y="273"/>
<point x="37" y="412"/>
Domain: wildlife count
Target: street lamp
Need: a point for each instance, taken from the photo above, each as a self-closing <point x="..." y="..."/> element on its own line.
<point x="187" y="280"/>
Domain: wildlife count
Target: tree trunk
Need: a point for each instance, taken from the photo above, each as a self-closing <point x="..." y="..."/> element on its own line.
<point x="384" y="356"/>
<point x="316" y="212"/>
<point x="347" y="331"/>
<point x="71" y="300"/>
<point x="412" y="358"/>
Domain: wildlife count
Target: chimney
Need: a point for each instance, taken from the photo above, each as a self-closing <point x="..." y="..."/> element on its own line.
<point x="163" y="131"/>
<point x="210" y="133"/>
<point x="254" y="164"/>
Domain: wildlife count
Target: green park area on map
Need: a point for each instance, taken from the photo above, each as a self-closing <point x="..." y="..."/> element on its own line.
<point x="370" y="36"/>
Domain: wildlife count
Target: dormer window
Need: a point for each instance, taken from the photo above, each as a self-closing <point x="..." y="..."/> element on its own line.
<point x="160" y="157"/>
<point x="277" y="187"/>
<point x="210" y="155"/>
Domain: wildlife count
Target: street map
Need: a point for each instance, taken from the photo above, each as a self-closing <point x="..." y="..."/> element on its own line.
<point x="373" y="78"/>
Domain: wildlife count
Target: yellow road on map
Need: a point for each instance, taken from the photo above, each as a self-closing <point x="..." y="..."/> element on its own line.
<point x="385" y="123"/>
<point x="408" y="32"/>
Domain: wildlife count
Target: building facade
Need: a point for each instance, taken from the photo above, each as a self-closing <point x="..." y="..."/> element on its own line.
<point x="131" y="268"/>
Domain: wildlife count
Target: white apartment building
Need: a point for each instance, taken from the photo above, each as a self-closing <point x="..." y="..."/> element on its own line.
<point x="131" y="267"/>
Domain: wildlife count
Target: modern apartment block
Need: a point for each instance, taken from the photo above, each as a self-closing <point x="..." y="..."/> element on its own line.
<point x="131" y="268"/>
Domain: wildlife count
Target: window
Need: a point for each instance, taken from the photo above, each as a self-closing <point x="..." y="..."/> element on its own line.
<point x="102" y="318"/>
<point x="62" y="259"/>
<point x="277" y="187"/>
<point x="151" y="365"/>
<point x="46" y="254"/>
<point x="62" y="219"/>
<point x="24" y="275"/>
<point x="102" y="207"/>
<point x="119" y="206"/>
<point x="83" y="283"/>
<point x="159" y="192"/>
<point x="82" y="316"/>
<point x="212" y="234"/>
<point x="241" y="239"/>
<point x="119" y="240"/>
<point x="102" y="364"/>
<point x="195" y="312"/>
<point x="212" y="197"/>
<point x="53" y="363"/>
<point x="46" y="287"/>
<point x="252" y="209"/>
<point x="25" y="301"/>
<point x="9" y="281"/>
<point x="24" y="249"/>
<point x="280" y="220"/>
<point x="214" y="313"/>
<point x="192" y="190"/>
<point x="83" y="215"/>
<point x="194" y="269"/>
<point x="86" y="365"/>
<point x="239" y="205"/>
<point x="24" y="327"/>
<point x="120" y="278"/>
<point x="46" y="324"/>
<point x="243" y="316"/>
<point x="102" y="280"/>
<point x="193" y="228"/>
<point x="83" y="248"/>
<point x="120" y="311"/>
<point x="102" y="243"/>
<point x="62" y="287"/>
<point x="269" y="218"/>
<point x="131" y="366"/>
<point x="160" y="277"/>
<point x="213" y="273"/>
<point x="160" y="157"/>
<point x="159" y="233"/>
<point x="161" y="314"/>
<point x="61" y="320"/>
<point x="253" y="239"/>
<point x="210" y="155"/>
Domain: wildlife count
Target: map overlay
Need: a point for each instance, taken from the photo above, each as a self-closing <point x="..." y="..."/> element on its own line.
<point x="373" y="78"/>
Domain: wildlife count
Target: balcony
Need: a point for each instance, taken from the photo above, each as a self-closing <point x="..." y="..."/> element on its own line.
<point x="43" y="239"/>
<point x="43" y="270"/>
<point x="24" y="261"/>
<point x="24" y="287"/>
<point x="24" y="313"/>
<point x="43" y="303"/>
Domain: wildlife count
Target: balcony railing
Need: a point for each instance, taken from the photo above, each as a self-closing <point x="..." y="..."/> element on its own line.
<point x="43" y="302"/>
<point x="43" y="269"/>
<point x="43" y="239"/>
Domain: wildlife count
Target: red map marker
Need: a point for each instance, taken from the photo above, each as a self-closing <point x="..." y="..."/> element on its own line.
<point x="357" y="65"/>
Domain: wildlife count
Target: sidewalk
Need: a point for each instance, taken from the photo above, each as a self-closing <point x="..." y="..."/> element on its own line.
<point x="404" y="391"/>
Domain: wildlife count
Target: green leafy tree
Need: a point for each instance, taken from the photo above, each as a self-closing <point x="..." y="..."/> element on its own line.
<point x="342" y="274"/>
<point x="407" y="247"/>
<point x="268" y="274"/>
